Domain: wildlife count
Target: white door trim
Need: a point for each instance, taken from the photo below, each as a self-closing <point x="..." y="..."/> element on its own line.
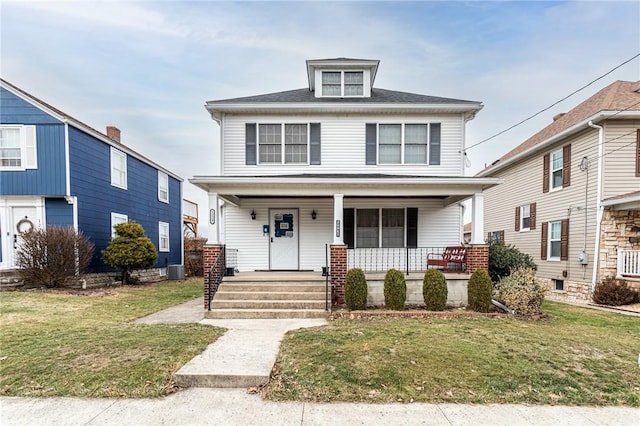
<point x="7" y="222"/>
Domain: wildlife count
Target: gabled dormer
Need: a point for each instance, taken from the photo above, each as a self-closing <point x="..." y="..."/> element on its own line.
<point x="341" y="77"/>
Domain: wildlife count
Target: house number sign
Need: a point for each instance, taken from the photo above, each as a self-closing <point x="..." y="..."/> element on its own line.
<point x="338" y="228"/>
<point x="212" y="216"/>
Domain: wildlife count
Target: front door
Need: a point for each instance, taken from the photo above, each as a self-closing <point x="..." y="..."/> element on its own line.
<point x="283" y="241"/>
<point x="16" y="220"/>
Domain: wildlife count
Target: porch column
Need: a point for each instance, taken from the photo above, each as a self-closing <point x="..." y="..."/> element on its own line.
<point x="210" y="254"/>
<point x="213" y="219"/>
<point x="338" y="272"/>
<point x="477" y="257"/>
<point x="477" y="213"/>
<point x="338" y="220"/>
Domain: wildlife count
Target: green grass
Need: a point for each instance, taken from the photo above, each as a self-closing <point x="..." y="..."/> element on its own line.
<point x="56" y="343"/>
<point x="578" y="356"/>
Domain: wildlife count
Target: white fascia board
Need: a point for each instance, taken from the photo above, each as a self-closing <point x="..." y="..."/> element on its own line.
<point x="584" y="124"/>
<point x="371" y="64"/>
<point x="632" y="200"/>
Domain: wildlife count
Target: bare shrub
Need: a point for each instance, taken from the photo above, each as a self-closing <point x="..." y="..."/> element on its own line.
<point x="53" y="257"/>
<point x="522" y="292"/>
<point x="614" y="292"/>
<point x="194" y="256"/>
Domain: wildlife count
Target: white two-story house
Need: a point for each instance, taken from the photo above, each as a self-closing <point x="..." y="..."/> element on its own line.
<point x="340" y="163"/>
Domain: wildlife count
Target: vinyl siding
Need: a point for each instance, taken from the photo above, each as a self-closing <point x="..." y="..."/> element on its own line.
<point x="15" y="110"/>
<point x="58" y="212"/>
<point x="437" y="227"/>
<point x="342" y="145"/>
<point x="523" y="185"/>
<point x="619" y="159"/>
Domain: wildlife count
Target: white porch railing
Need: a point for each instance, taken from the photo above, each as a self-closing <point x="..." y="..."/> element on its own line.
<point x="628" y="263"/>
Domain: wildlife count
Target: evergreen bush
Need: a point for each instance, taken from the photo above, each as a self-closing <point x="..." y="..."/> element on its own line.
<point x="614" y="292"/>
<point x="506" y="258"/>
<point x="355" y="289"/>
<point x="395" y="290"/>
<point x="129" y="250"/>
<point x="521" y="292"/>
<point x="434" y="290"/>
<point x="479" y="291"/>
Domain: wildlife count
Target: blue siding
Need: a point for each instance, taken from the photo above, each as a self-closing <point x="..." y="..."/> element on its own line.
<point x="58" y="212"/>
<point x="49" y="177"/>
<point x="91" y="183"/>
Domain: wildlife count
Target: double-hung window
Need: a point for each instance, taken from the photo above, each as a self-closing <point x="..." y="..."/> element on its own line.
<point x="116" y="219"/>
<point x="380" y="228"/>
<point x="163" y="236"/>
<point x="163" y="187"/>
<point x="342" y="83"/>
<point x="294" y="145"/>
<point x="555" y="234"/>
<point x="390" y="143"/>
<point x="415" y="143"/>
<point x="556" y="169"/>
<point x="270" y="143"/>
<point x="525" y="217"/>
<point x="18" y="148"/>
<point x="118" y="168"/>
<point x="367" y="228"/>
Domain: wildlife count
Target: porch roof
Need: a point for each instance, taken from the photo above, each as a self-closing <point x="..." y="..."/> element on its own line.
<point x="628" y="201"/>
<point x="451" y="189"/>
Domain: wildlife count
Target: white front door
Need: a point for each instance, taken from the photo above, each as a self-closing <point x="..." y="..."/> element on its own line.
<point x="15" y="220"/>
<point x="283" y="241"/>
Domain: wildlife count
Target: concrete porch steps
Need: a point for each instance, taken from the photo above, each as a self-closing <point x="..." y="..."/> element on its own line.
<point x="272" y="295"/>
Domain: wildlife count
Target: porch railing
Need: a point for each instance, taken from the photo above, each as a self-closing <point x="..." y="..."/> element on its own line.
<point x="628" y="263"/>
<point x="382" y="259"/>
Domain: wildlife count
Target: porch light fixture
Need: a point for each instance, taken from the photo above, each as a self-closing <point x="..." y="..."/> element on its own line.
<point x="253" y="215"/>
<point x="314" y="214"/>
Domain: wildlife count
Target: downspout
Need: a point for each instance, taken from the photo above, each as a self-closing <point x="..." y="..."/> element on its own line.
<point x="67" y="163"/>
<point x="596" y="249"/>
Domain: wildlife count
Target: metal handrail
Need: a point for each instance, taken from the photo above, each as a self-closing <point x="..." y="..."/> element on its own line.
<point x="215" y="275"/>
<point x="326" y="273"/>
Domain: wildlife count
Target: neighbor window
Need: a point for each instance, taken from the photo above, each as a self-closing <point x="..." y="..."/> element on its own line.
<point x="556" y="169"/>
<point x="163" y="187"/>
<point x="525" y="217"/>
<point x="18" y="148"/>
<point x="342" y="83"/>
<point x="555" y="234"/>
<point x="163" y="232"/>
<point x="116" y="219"/>
<point x="118" y="168"/>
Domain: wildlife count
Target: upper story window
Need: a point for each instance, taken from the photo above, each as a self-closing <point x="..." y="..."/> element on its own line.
<point x="525" y="214"/>
<point x="295" y="143"/>
<point x="526" y="217"/>
<point x="403" y="143"/>
<point x="163" y="187"/>
<point x="18" y="148"/>
<point x="556" y="169"/>
<point x="163" y="236"/>
<point x="342" y="83"/>
<point x="118" y="168"/>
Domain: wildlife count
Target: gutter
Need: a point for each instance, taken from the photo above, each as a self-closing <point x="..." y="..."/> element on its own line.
<point x="596" y="249"/>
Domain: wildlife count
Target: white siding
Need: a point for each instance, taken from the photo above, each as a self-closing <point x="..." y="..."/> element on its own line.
<point x="619" y="158"/>
<point x="342" y="144"/>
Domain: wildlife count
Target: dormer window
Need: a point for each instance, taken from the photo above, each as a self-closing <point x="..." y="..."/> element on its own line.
<point x="342" y="83"/>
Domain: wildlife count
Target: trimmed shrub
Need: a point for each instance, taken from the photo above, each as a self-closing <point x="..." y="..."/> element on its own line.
<point x="614" y="292"/>
<point x="395" y="290"/>
<point x="129" y="250"/>
<point x="53" y="257"/>
<point x="506" y="258"/>
<point x="355" y="289"/>
<point x="479" y="291"/>
<point x="434" y="290"/>
<point x="521" y="292"/>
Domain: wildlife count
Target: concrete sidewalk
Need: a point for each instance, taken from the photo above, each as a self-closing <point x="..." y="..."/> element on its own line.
<point x="199" y="406"/>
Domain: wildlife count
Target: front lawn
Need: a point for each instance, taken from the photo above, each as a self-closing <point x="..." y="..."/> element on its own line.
<point x="578" y="356"/>
<point x="56" y="343"/>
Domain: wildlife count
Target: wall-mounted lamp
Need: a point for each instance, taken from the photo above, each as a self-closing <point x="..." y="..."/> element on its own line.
<point x="253" y="215"/>
<point x="314" y="214"/>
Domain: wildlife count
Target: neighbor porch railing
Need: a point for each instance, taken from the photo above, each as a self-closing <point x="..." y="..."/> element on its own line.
<point x="382" y="259"/>
<point x="628" y="263"/>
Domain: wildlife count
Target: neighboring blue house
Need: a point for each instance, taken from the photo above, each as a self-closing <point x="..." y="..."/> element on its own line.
<point x="55" y="170"/>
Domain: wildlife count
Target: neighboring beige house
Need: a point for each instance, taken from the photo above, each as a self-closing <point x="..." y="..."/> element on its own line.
<point x="571" y="194"/>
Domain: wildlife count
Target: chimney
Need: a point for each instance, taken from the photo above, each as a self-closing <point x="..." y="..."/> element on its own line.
<point x="113" y="133"/>
<point x="558" y="116"/>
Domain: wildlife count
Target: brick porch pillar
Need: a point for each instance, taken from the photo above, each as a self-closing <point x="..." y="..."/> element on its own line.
<point x="338" y="271"/>
<point x="477" y="257"/>
<point x="210" y="254"/>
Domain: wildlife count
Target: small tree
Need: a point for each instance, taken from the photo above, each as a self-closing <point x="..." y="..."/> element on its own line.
<point x="52" y="256"/>
<point x="434" y="290"/>
<point x="395" y="290"/>
<point x="503" y="259"/>
<point x="479" y="291"/>
<point x="129" y="250"/>
<point x="355" y="289"/>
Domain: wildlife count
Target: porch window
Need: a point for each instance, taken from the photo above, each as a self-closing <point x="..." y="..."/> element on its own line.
<point x="392" y="227"/>
<point x="367" y="228"/>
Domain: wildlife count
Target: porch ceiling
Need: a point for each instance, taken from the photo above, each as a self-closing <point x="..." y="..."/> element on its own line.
<point x="451" y="189"/>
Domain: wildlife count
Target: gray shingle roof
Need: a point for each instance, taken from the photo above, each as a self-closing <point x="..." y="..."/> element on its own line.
<point x="378" y="96"/>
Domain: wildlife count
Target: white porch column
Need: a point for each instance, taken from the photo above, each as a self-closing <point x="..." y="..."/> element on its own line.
<point x="338" y="220"/>
<point x="477" y="217"/>
<point x="213" y="219"/>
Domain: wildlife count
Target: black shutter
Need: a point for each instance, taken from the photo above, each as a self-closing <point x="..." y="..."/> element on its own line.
<point x="348" y="226"/>
<point x="371" y="145"/>
<point x="412" y="227"/>
<point x="434" y="144"/>
<point x="250" y="144"/>
<point x="315" y="143"/>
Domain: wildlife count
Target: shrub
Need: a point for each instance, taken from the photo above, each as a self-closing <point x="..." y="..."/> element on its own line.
<point x="395" y="290"/>
<point x="355" y="289"/>
<point x="614" y="292"/>
<point x="434" y="290"/>
<point x="479" y="291"/>
<point x="521" y="292"/>
<point x="505" y="258"/>
<point x="129" y="250"/>
<point x="53" y="256"/>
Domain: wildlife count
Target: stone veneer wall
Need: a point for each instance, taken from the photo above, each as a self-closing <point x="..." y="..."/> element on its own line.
<point x="620" y="230"/>
<point x="574" y="291"/>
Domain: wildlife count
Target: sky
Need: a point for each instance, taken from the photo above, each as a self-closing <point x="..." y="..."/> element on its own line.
<point x="148" y="67"/>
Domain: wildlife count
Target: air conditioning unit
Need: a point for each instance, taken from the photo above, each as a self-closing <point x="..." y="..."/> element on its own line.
<point x="175" y="272"/>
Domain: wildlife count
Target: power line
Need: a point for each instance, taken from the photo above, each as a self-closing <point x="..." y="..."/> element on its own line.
<point x="555" y="103"/>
